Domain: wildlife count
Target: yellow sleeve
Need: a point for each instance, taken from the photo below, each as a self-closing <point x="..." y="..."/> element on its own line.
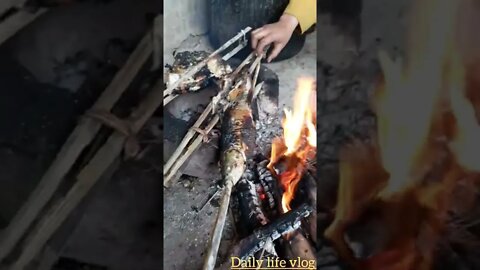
<point x="305" y="11"/>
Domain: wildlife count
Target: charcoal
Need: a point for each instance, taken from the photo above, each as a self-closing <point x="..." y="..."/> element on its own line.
<point x="269" y="185"/>
<point x="250" y="214"/>
<point x="286" y="223"/>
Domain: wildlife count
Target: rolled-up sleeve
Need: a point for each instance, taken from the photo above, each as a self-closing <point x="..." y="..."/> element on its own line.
<point x="305" y="11"/>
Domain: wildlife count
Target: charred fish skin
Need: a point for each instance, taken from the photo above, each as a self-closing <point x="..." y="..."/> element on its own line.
<point x="238" y="134"/>
<point x="215" y="68"/>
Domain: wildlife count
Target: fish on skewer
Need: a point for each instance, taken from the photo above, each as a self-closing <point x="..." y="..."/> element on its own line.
<point x="215" y="68"/>
<point x="237" y="149"/>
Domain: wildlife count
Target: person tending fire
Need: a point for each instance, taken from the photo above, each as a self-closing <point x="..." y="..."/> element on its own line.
<point x="301" y="14"/>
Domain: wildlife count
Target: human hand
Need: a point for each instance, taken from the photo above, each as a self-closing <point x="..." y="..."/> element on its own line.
<point x="278" y="33"/>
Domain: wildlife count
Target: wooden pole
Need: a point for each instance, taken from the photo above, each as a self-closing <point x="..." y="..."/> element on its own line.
<point x="212" y="250"/>
<point x="86" y="179"/>
<point x="16" y="22"/>
<point x="81" y="136"/>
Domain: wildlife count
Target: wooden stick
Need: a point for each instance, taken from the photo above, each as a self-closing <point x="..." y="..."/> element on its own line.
<point x="8" y="4"/>
<point x="257" y="71"/>
<point x="169" y="99"/>
<point x="226" y="57"/>
<point x="190" y="134"/>
<point x="72" y="148"/>
<point x="157" y="42"/>
<point x="177" y="159"/>
<point x="194" y="146"/>
<point x="212" y="250"/>
<point x="86" y="179"/>
<point x="191" y="71"/>
<point x="243" y="64"/>
<point x="16" y="22"/>
<point x="255" y="64"/>
<point x="209" y="200"/>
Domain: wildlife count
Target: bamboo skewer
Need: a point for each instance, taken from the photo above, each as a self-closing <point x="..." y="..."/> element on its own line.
<point x="86" y="179"/>
<point x="226" y="57"/>
<point x="190" y="134"/>
<point x="200" y="65"/>
<point x="212" y="250"/>
<point x="17" y="21"/>
<point x="189" y="150"/>
<point x="182" y="153"/>
<point x="234" y="162"/>
<point x="80" y="137"/>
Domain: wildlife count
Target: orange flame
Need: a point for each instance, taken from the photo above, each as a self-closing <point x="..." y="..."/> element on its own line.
<point x="298" y="143"/>
<point x="426" y="126"/>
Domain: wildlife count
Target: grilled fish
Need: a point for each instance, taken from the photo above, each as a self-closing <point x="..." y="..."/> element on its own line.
<point x="215" y="68"/>
<point x="237" y="148"/>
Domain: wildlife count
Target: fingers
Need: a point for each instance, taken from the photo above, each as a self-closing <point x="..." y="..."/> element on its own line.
<point x="257" y="35"/>
<point x="271" y="33"/>
<point x="264" y="42"/>
<point x="277" y="48"/>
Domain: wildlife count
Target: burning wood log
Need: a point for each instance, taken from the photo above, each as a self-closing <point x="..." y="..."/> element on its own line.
<point x="80" y="138"/>
<point x="287" y="223"/>
<point x="251" y="212"/>
<point x="269" y="186"/>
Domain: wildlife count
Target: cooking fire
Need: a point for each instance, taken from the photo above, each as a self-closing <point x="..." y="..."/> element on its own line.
<point x="265" y="190"/>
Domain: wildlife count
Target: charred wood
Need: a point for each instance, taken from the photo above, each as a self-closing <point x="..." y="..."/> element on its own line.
<point x="251" y="214"/>
<point x="269" y="186"/>
<point x="286" y="223"/>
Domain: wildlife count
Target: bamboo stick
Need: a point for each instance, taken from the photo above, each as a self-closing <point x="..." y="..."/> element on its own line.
<point x="189" y="151"/>
<point x="81" y="136"/>
<point x="169" y="99"/>
<point x="200" y="65"/>
<point x="226" y="57"/>
<point x="86" y="179"/>
<point x="16" y="22"/>
<point x="218" y="228"/>
<point x="190" y="134"/>
<point x="178" y="158"/>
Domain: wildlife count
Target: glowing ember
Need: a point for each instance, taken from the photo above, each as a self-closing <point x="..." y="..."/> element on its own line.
<point x="298" y="143"/>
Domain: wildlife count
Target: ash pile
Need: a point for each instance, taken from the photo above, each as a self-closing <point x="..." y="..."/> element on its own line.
<point x="225" y="123"/>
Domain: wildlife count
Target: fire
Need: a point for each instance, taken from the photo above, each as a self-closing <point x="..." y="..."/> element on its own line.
<point x="298" y="143"/>
<point x="427" y="131"/>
